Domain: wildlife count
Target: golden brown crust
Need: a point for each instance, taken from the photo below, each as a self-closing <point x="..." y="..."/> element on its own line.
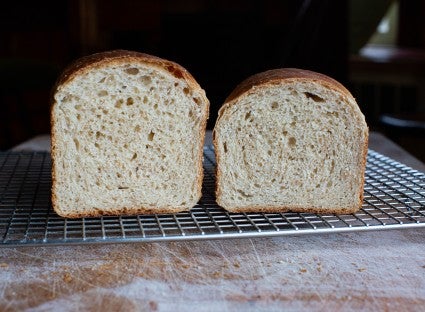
<point x="118" y="56"/>
<point x="284" y="74"/>
<point x="270" y="78"/>
<point x="98" y="60"/>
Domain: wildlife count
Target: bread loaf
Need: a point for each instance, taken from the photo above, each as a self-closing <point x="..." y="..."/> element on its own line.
<point x="127" y="136"/>
<point x="290" y="140"/>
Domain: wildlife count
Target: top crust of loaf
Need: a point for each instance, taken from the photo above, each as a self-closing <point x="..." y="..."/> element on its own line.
<point x="117" y="57"/>
<point x="290" y="76"/>
<point x="90" y="62"/>
<point x="281" y="75"/>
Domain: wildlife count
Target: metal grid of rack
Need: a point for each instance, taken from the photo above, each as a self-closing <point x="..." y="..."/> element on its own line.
<point x="394" y="198"/>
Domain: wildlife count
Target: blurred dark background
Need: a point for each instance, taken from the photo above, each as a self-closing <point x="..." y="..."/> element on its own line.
<point x="374" y="47"/>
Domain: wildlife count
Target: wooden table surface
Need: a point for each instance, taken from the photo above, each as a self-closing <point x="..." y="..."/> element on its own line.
<point x="378" y="271"/>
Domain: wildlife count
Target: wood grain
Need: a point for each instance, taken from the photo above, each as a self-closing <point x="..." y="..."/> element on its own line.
<point x="352" y="271"/>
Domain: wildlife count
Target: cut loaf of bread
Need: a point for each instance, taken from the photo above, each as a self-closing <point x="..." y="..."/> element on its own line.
<point x="290" y="140"/>
<point x="127" y="136"/>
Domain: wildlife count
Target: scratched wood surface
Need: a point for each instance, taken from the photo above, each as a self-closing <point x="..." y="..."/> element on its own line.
<point x="352" y="271"/>
<point x="382" y="270"/>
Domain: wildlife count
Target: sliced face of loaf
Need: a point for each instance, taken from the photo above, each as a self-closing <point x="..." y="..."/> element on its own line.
<point x="127" y="136"/>
<point x="293" y="140"/>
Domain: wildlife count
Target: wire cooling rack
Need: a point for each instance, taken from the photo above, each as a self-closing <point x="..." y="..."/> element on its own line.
<point x="394" y="199"/>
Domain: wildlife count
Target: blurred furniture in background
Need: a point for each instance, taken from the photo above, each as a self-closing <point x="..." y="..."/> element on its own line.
<point x="388" y="80"/>
<point x="406" y="130"/>
<point x="388" y="77"/>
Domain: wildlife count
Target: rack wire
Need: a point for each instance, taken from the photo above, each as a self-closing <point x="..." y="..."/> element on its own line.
<point x="394" y="198"/>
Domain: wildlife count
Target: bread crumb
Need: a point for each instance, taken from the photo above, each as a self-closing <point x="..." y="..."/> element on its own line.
<point x="236" y="265"/>
<point x="4" y="265"/>
<point x="153" y="305"/>
<point x="303" y="270"/>
<point x="67" y="277"/>
<point x="361" y="269"/>
<point x="216" y="274"/>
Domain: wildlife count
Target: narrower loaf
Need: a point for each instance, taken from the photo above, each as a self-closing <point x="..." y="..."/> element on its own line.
<point x="127" y="136"/>
<point x="290" y="140"/>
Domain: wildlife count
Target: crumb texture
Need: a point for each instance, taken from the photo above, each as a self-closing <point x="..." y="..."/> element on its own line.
<point x="297" y="146"/>
<point x="127" y="138"/>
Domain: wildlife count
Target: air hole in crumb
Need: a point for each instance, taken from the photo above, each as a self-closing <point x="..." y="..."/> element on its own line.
<point x="145" y="99"/>
<point x="176" y="72"/>
<point x="146" y="80"/>
<point x="257" y="185"/>
<point x="269" y="152"/>
<point x="292" y="141"/>
<point x="285" y="132"/>
<point x="225" y="147"/>
<point x="155" y="106"/>
<point x="186" y="90"/>
<point x="314" y="97"/>
<point x="77" y="144"/>
<point x="132" y="71"/>
<point x="99" y="134"/>
<point x="134" y="156"/>
<point x="196" y="100"/>
<point x="335" y="114"/>
<point x="130" y="101"/>
<point x="274" y="105"/>
<point x="150" y="136"/>
<point x="67" y="98"/>
<point x="190" y="114"/>
<point x="247" y="115"/>
<point x="102" y="80"/>
<point x="137" y="128"/>
<point x="119" y="103"/>
<point x="102" y="93"/>
<point x="78" y="117"/>
<point x="77" y="107"/>
<point x="123" y="187"/>
<point x="176" y="84"/>
<point x="96" y="145"/>
<point x="244" y="194"/>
